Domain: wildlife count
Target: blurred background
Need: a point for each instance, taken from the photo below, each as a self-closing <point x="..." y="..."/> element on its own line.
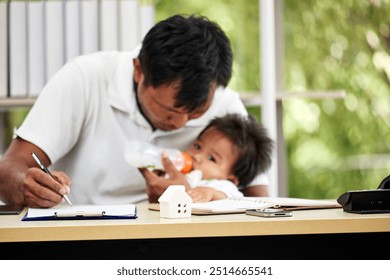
<point x="332" y="145"/>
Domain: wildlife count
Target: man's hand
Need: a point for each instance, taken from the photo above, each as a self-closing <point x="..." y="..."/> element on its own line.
<point x="41" y="190"/>
<point x="22" y="182"/>
<point x="156" y="185"/>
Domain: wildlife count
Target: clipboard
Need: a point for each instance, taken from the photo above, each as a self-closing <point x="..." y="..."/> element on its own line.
<point x="82" y="212"/>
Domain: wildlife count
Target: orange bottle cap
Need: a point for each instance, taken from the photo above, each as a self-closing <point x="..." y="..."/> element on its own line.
<point x="187" y="166"/>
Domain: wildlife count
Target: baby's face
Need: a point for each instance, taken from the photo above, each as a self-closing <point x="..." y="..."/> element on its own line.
<point x="214" y="154"/>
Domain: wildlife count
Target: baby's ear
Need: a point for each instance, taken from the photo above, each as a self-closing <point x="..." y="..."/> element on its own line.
<point x="233" y="178"/>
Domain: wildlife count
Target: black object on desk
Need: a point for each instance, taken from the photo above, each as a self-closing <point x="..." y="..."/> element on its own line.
<point x="367" y="201"/>
<point x="11" y="209"/>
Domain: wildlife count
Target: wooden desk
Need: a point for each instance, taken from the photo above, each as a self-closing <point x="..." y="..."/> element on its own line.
<point x="329" y="233"/>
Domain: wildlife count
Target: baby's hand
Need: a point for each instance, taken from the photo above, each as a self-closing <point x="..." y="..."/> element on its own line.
<point x="205" y="194"/>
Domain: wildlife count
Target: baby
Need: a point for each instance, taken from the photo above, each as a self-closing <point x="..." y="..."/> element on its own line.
<point x="230" y="152"/>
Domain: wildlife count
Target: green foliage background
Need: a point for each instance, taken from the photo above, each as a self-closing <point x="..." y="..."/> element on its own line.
<point x="333" y="145"/>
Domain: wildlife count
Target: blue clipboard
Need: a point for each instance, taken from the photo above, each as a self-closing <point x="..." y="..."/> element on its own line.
<point x="82" y="212"/>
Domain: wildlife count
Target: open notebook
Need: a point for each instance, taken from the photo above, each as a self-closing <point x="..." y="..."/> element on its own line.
<point x="82" y="212"/>
<point x="239" y="205"/>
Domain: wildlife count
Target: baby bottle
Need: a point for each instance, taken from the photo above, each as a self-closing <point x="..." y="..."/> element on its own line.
<point x="145" y="155"/>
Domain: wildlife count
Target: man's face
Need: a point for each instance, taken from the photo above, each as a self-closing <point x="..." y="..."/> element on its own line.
<point x="214" y="154"/>
<point x="157" y="103"/>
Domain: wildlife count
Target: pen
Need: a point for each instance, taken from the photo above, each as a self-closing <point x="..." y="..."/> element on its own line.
<point x="44" y="168"/>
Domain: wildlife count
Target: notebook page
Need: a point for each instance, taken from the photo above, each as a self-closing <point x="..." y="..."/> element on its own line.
<point x="229" y="205"/>
<point x="84" y="210"/>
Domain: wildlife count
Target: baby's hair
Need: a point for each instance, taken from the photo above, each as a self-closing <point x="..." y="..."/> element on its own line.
<point x="252" y="142"/>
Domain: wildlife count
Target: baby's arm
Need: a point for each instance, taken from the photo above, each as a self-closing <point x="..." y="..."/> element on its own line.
<point x="204" y="194"/>
<point x="208" y="190"/>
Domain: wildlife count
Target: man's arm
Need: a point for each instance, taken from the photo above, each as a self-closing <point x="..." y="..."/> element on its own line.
<point x="22" y="182"/>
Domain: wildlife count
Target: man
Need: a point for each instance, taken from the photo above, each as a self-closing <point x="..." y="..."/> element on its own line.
<point x="164" y="93"/>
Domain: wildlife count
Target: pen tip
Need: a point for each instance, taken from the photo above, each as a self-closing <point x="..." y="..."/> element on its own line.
<point x="67" y="200"/>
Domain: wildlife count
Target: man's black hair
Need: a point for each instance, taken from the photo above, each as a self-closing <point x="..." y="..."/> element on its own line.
<point x="252" y="142"/>
<point x="191" y="51"/>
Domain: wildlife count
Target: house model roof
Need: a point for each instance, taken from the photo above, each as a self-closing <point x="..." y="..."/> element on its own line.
<point x="171" y="192"/>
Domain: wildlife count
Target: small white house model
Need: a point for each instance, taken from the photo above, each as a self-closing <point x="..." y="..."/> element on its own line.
<point x="175" y="203"/>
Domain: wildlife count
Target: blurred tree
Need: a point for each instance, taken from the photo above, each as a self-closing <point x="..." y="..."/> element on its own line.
<point x="334" y="146"/>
